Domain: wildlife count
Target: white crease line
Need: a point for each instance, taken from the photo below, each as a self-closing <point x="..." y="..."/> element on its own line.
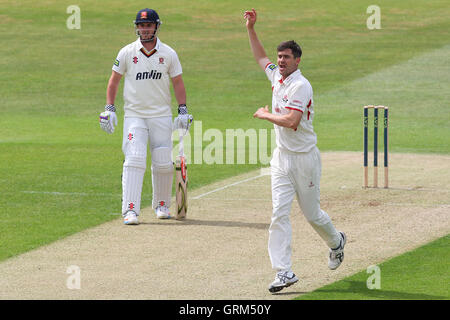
<point x="83" y="194"/>
<point x="395" y="189"/>
<point x="381" y="204"/>
<point x="355" y="203"/>
<point x="70" y="193"/>
<point x="264" y="172"/>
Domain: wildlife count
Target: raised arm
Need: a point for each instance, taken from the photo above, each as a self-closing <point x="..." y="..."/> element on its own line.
<point x="258" y="50"/>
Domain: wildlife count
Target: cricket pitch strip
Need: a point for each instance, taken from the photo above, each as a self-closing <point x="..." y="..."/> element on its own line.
<point x="220" y="250"/>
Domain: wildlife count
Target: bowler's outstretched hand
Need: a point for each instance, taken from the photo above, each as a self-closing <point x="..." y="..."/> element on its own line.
<point x="250" y="16"/>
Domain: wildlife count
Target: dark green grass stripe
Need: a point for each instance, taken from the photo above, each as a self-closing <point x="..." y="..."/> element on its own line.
<point x="421" y="274"/>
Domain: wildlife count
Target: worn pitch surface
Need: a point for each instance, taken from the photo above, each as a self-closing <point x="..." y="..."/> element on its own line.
<point x="220" y="251"/>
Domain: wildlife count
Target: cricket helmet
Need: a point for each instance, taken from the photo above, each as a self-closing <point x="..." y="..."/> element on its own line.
<point x="147" y="16"/>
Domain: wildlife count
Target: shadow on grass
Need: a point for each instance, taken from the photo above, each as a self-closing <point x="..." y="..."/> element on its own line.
<point x="360" y="290"/>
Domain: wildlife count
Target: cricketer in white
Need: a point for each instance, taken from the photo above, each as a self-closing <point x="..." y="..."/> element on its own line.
<point x="148" y="66"/>
<point x="296" y="162"/>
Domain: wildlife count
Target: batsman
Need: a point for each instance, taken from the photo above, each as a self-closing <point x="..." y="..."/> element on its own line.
<point x="148" y="66"/>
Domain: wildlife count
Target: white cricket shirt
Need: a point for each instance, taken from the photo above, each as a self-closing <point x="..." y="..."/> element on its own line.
<point x="293" y="93"/>
<point x="146" y="91"/>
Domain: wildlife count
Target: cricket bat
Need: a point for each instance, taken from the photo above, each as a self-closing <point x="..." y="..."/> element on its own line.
<point x="181" y="182"/>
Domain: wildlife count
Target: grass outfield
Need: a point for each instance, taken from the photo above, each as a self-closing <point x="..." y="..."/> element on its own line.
<point x="60" y="173"/>
<point x="421" y="274"/>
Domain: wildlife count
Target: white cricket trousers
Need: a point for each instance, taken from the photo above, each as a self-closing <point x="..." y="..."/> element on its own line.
<point x="296" y="174"/>
<point x="137" y="133"/>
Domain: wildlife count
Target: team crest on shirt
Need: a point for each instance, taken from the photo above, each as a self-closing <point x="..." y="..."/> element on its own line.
<point x="161" y="60"/>
<point x="285" y="99"/>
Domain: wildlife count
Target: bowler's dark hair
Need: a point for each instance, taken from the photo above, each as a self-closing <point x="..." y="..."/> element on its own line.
<point x="296" y="50"/>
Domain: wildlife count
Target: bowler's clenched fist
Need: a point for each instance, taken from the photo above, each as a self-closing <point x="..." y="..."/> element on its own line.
<point x="250" y="16"/>
<point x="261" y="112"/>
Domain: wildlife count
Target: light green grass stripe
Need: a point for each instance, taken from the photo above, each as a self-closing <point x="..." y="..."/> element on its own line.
<point x="417" y="92"/>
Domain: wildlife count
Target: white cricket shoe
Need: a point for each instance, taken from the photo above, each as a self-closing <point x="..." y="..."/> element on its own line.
<point x="130" y="218"/>
<point x="162" y="212"/>
<point x="337" y="255"/>
<point x="283" y="279"/>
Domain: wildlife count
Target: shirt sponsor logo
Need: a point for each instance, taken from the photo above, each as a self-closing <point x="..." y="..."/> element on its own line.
<point x="135" y="60"/>
<point x="116" y="63"/>
<point x="272" y="66"/>
<point x="149" y="75"/>
<point x="161" y="60"/>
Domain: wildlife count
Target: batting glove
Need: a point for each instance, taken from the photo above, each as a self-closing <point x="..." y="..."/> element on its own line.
<point x="184" y="120"/>
<point x="108" y="119"/>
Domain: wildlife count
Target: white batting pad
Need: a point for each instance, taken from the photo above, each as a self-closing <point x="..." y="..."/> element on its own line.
<point x="162" y="176"/>
<point x="134" y="147"/>
<point x="132" y="180"/>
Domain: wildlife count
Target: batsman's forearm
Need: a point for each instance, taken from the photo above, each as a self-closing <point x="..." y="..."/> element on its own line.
<point x="257" y="48"/>
<point x="179" y="90"/>
<point x="111" y="92"/>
